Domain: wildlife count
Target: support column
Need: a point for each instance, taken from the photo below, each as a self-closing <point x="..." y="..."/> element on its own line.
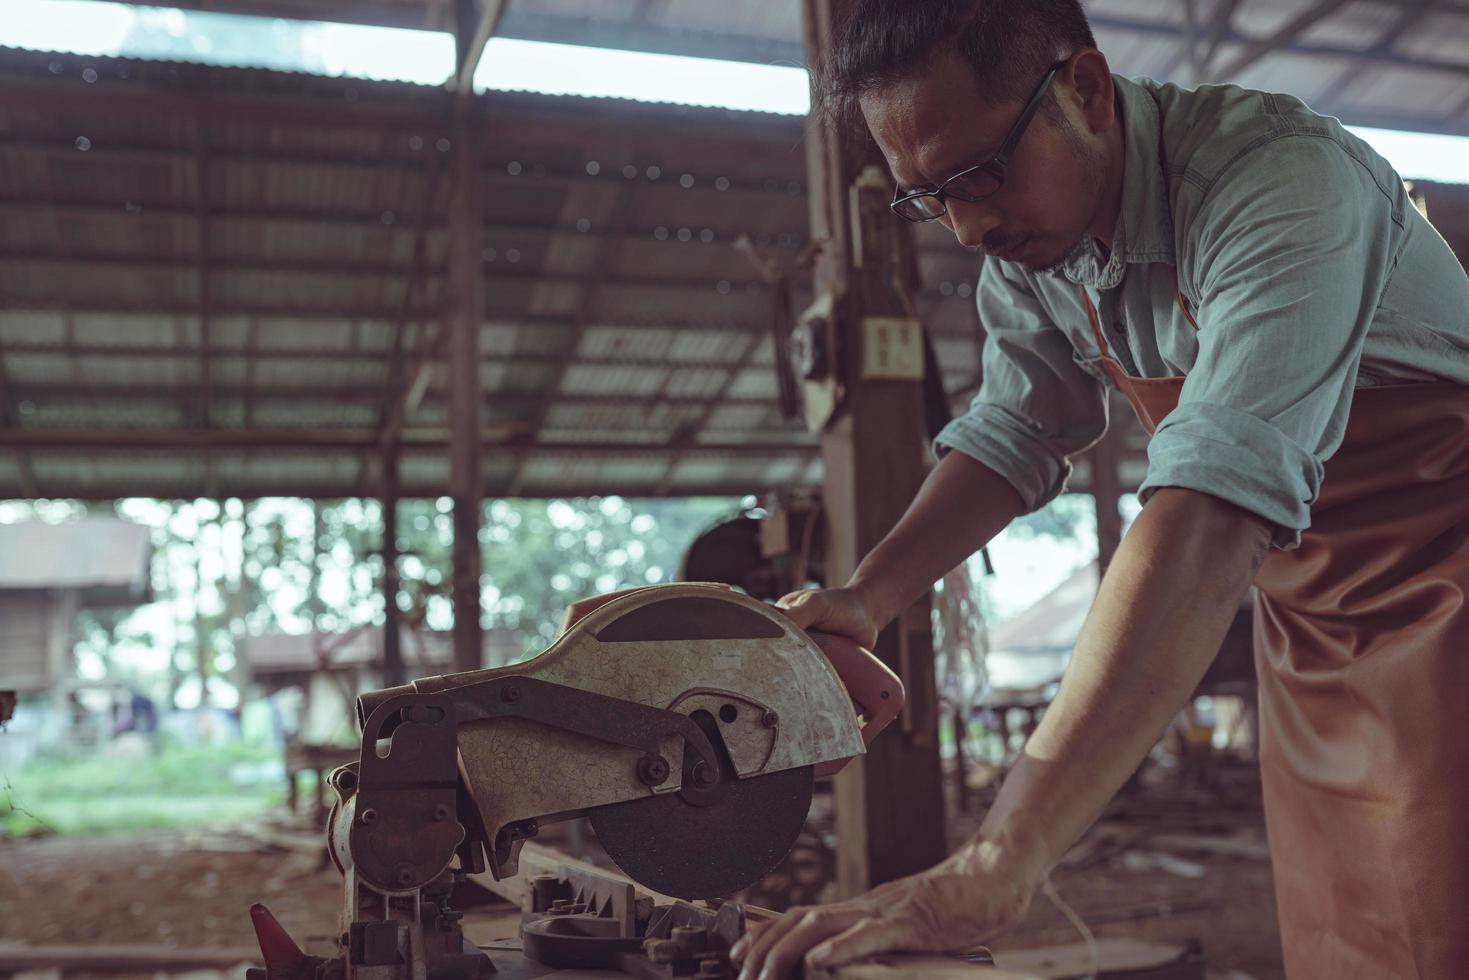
<point x="466" y="244"/>
<point x="889" y="804"/>
<point x="393" y="672"/>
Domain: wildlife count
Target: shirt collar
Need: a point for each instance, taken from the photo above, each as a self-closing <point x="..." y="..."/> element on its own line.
<point x="1145" y="222"/>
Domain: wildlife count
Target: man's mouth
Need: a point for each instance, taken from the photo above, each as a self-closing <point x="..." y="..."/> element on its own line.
<point x="1006" y="250"/>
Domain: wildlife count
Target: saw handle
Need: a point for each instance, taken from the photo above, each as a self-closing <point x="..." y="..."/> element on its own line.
<point x="874" y="689"/>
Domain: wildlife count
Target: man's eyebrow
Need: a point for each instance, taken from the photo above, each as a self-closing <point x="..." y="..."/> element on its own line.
<point x="973" y="160"/>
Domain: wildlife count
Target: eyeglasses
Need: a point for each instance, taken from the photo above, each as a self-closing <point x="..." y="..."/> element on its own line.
<point x="974" y="183"/>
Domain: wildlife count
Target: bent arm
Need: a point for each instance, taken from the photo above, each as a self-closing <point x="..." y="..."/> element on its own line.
<point x="1158" y="621"/>
<point x="960" y="507"/>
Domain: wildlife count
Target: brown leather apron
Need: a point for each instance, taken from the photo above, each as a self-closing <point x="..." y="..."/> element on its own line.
<point x="1362" y="651"/>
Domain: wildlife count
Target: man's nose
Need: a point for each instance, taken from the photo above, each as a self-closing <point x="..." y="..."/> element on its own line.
<point x="970" y="221"/>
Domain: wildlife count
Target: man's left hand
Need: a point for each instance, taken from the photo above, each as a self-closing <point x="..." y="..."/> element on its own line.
<point x="950" y="908"/>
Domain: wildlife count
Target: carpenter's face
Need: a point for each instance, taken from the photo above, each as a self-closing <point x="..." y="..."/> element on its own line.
<point x="936" y="124"/>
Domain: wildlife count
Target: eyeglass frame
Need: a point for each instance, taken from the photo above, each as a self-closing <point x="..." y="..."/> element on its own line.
<point x="994" y="166"/>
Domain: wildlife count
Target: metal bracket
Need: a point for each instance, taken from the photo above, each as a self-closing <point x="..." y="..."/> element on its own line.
<point x="607" y="719"/>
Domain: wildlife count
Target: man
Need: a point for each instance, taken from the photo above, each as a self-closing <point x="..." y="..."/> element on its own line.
<point x="1296" y="336"/>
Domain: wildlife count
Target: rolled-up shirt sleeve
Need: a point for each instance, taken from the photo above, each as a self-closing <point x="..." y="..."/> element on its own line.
<point x="1292" y="260"/>
<point x="1036" y="406"/>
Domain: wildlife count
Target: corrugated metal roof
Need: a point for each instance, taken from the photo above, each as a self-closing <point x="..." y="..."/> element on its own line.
<point x="212" y="256"/>
<point x="211" y="265"/>
<point x="1312" y="41"/>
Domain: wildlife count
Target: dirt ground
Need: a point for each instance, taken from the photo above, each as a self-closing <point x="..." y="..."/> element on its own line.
<point x="1151" y="869"/>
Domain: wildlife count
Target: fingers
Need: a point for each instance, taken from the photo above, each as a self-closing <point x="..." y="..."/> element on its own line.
<point x="774" y="952"/>
<point x="867" y="937"/>
<point x="805" y="607"/>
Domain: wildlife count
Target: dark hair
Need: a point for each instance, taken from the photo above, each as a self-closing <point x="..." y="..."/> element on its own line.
<point x="1008" y="43"/>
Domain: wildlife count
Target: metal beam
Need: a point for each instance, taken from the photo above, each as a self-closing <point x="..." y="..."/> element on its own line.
<point x="1407" y="19"/>
<point x="420" y="15"/>
<point x="139" y="98"/>
<point x="394" y="115"/>
<point x="790" y="239"/>
<point x="123" y="442"/>
<point x="642" y="34"/>
<point x="1137" y="25"/>
<point x="495" y="171"/>
<point x="340" y="355"/>
<point x="501" y="316"/>
<point x="247" y="488"/>
<point x="370" y="395"/>
<point x="253" y="264"/>
<point x="1286" y="34"/>
<point x="1202" y="41"/>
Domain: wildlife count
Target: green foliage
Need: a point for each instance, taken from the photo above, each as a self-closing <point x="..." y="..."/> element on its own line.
<point x="175" y="787"/>
<point x="223" y="570"/>
<point x="1070" y="516"/>
<point x="542" y="555"/>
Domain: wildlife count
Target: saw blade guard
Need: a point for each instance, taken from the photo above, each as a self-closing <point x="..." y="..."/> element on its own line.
<point x="777" y="701"/>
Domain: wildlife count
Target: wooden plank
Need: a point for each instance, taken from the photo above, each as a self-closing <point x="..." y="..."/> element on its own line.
<point x="1114" y="956"/>
<point x="921" y="967"/>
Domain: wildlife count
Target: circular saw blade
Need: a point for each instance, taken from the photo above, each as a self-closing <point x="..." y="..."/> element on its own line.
<point x="692" y="852"/>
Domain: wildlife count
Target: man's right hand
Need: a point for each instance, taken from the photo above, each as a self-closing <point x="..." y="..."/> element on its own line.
<point x="843" y="612"/>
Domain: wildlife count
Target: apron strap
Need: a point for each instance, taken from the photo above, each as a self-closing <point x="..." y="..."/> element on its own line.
<point x="1094" y="320"/>
<point x="1183" y="306"/>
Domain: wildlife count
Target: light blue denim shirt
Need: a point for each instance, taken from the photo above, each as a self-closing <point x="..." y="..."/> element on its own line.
<point x="1310" y="273"/>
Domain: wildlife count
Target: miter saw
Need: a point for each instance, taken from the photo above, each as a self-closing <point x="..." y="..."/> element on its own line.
<point x="688" y="723"/>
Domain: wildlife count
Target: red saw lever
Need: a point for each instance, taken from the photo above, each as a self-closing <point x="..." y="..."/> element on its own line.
<point x="874" y="689"/>
<point x="283" y="958"/>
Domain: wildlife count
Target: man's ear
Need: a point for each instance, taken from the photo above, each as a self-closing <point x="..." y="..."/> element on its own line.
<point x="1087" y="80"/>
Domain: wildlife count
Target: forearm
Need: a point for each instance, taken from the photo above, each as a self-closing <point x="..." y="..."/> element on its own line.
<point x="1158" y="621"/>
<point x="961" y="505"/>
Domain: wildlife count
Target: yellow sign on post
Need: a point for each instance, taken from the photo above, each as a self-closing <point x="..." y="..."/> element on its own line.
<point x="892" y="349"/>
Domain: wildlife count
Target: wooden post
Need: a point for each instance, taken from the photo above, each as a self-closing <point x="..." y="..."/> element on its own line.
<point x="393" y="673"/>
<point x="466" y="243"/>
<point x="889" y="804"/>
